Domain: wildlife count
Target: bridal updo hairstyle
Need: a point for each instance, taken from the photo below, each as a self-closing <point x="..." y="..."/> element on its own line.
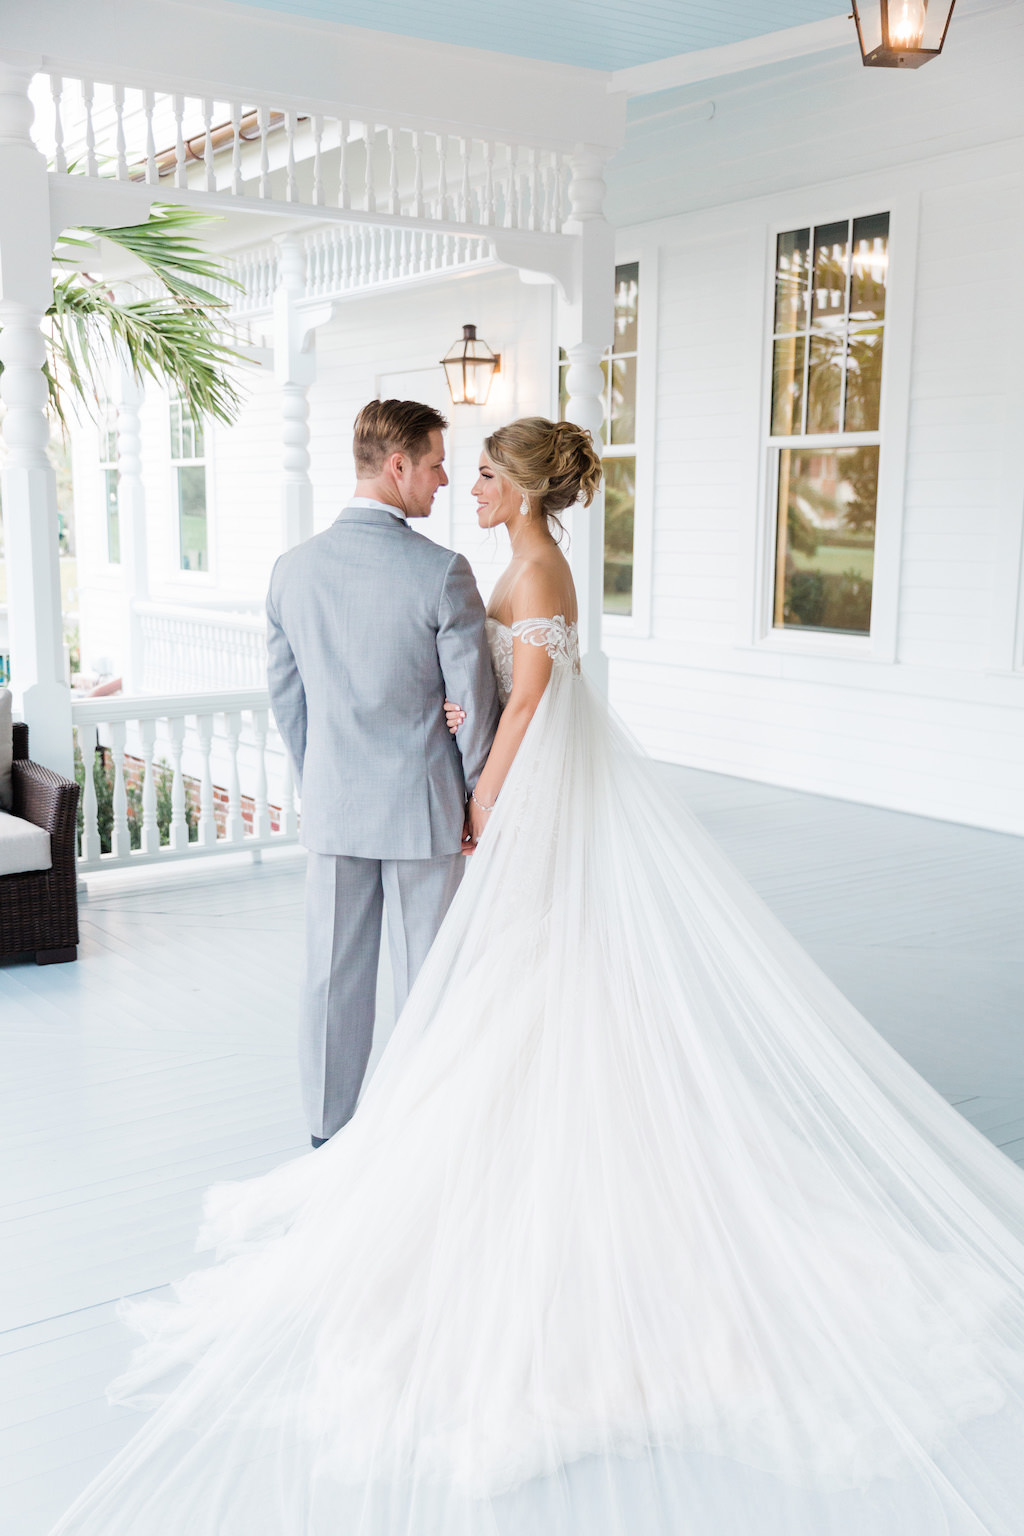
<point x="554" y="463"/>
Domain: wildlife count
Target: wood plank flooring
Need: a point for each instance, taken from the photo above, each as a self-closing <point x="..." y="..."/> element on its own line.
<point x="164" y="1060"/>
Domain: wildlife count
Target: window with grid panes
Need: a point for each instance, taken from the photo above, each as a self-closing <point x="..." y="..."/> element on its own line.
<point x="829" y="330"/>
<point x="619" y="440"/>
<point x="111" y="480"/>
<point x="188" y="460"/>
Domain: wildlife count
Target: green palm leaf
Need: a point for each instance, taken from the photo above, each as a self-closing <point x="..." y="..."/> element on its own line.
<point x="176" y="337"/>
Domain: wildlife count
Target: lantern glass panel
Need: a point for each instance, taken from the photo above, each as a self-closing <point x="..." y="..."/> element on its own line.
<point x="869" y="15"/>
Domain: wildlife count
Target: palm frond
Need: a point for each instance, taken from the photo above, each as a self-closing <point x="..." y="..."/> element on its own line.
<point x="171" y="342"/>
<point x="165" y="245"/>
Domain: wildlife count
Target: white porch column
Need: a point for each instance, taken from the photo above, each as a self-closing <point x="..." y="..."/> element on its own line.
<point x="131" y="506"/>
<point x="29" y="486"/>
<point x="295" y="370"/>
<point x="585" y="327"/>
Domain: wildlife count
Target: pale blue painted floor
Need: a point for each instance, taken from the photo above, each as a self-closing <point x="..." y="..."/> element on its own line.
<point x="164" y="1060"/>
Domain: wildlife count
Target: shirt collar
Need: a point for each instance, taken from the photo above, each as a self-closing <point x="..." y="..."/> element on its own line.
<point x="371" y="501"/>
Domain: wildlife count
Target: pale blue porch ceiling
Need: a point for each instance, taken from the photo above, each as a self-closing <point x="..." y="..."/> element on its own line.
<point x="598" y="34"/>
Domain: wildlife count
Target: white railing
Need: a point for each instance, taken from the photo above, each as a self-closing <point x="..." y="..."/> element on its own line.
<point x="188" y="649"/>
<point x="213" y="756"/>
<point x="286" y="154"/>
<point x="349" y="258"/>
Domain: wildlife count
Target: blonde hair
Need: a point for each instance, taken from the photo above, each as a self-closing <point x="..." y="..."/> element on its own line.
<point x="554" y="463"/>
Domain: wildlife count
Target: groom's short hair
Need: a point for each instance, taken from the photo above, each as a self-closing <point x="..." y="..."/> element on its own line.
<point x="385" y="427"/>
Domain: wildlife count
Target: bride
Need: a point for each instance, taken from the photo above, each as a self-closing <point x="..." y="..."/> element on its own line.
<point x="639" y="1230"/>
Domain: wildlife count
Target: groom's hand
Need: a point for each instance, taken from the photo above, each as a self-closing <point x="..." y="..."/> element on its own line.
<point x="468" y="840"/>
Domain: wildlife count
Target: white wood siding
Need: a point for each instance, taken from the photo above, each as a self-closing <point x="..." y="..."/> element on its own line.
<point x="939" y="728"/>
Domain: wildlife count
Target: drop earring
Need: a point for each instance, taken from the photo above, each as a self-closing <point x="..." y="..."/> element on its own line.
<point x="524" y="506"/>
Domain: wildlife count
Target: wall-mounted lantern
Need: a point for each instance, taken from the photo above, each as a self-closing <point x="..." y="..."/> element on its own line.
<point x="901" y="34"/>
<point x="469" y="367"/>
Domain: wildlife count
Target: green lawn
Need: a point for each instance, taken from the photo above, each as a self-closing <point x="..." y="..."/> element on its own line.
<point x="834" y="559"/>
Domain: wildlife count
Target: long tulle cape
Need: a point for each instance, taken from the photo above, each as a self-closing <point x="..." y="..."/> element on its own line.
<point x="639" y="1230"/>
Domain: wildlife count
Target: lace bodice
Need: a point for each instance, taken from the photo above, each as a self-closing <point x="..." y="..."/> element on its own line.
<point x="560" y="639"/>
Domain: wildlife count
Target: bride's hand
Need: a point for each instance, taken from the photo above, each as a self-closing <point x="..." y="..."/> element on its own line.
<point x="454" y="715"/>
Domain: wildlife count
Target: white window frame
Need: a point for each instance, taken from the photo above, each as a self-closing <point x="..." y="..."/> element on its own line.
<point x="881" y="644"/>
<point x="637" y="625"/>
<point x="187" y="577"/>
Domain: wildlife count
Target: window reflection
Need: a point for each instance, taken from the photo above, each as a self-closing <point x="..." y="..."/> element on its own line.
<point x="825" y="539"/>
<point x="619" y="510"/>
<point x="618" y="435"/>
<point x="829" y="321"/>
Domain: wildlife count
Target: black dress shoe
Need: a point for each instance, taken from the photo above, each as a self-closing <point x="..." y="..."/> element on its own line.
<point x="318" y="1141"/>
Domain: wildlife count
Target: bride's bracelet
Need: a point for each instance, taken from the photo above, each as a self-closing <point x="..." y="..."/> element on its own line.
<point x="479" y="803"/>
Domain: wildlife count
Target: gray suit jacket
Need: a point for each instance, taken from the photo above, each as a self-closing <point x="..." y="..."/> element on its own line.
<point x="370" y="625"/>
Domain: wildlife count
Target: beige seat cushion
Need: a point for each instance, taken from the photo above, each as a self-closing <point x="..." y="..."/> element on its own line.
<point x="23" y="846"/>
<point x="6" y="749"/>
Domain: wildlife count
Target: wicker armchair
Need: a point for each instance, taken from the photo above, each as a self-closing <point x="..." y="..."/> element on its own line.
<point x="39" y="910"/>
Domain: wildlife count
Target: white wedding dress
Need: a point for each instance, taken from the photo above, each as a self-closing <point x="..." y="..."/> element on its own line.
<point x="639" y="1230"/>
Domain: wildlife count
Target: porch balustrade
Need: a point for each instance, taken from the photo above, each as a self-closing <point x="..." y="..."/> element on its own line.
<point x="346" y="258"/>
<point x="217" y="754"/>
<point x="286" y="154"/>
<point x="193" y="649"/>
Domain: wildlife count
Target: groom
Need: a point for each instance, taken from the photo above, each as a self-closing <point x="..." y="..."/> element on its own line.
<point x="370" y="627"/>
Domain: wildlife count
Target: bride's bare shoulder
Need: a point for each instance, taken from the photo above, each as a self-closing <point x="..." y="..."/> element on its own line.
<point x="544" y="588"/>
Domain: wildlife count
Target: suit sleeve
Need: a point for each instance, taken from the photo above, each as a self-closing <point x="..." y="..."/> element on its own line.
<point x="466" y="666"/>
<point x="287" y="695"/>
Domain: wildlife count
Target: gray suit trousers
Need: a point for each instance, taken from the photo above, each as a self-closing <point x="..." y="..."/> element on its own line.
<point x="345" y="898"/>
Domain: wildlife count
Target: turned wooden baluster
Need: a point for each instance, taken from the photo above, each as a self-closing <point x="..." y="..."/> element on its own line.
<point x="90" y="819"/>
<point x="120" y="837"/>
<point x="343" y="195"/>
<point x="179" y="819"/>
<point x="207" y="820"/>
<point x="180" y="173"/>
<point x="150" y="830"/>
<point x="233" y="730"/>
<point x="465" y="191"/>
<point x="211" y="175"/>
<point x="236" y="148"/>
<point x="152" y="174"/>
<point x="90" y="128"/>
<point x="56" y="91"/>
<point x="289" y="129"/>
<point x="263" y="122"/>
<point x="417" y="175"/>
<point x="370" y="193"/>
<point x="261" y="808"/>
<point x="120" y="145"/>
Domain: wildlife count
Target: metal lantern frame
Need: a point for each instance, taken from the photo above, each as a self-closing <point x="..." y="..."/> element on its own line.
<point x="875" y="31"/>
<point x="469" y="367"/>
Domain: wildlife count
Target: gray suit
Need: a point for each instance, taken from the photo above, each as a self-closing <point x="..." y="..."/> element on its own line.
<point x="370" y="625"/>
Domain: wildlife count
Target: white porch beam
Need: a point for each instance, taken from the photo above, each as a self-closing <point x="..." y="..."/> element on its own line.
<point x="29" y="485"/>
<point x="733" y="58"/>
<point x="585" y="331"/>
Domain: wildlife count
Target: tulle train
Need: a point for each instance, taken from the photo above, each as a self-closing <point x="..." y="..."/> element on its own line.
<point x="640" y="1230"/>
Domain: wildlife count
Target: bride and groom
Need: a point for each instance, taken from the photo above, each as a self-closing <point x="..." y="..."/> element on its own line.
<point x="639" y="1229"/>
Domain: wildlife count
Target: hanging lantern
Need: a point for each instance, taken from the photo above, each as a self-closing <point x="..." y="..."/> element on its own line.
<point x="469" y="367"/>
<point x="901" y="34"/>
